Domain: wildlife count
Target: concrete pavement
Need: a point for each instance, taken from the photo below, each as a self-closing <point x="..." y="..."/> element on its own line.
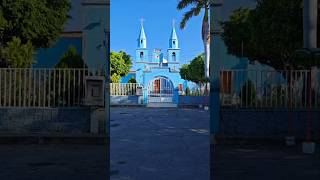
<point x="159" y="144"/>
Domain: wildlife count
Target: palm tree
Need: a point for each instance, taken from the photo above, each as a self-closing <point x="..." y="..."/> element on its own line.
<point x="197" y="6"/>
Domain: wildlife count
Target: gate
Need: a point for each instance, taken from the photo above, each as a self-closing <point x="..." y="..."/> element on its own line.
<point x="160" y="90"/>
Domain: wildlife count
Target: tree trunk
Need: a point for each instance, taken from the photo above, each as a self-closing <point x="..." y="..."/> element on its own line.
<point x="206" y="41"/>
<point x="207" y="58"/>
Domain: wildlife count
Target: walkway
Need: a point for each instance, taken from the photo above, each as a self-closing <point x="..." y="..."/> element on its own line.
<point x="159" y="144"/>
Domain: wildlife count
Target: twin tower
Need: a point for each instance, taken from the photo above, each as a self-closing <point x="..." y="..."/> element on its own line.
<point x="142" y="53"/>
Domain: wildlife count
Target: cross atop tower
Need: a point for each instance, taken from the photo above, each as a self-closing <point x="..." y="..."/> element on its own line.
<point x="142" y="21"/>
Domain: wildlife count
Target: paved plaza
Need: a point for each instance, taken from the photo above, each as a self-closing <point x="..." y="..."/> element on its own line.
<point x="264" y="162"/>
<point x="159" y="144"/>
<point x="53" y="162"/>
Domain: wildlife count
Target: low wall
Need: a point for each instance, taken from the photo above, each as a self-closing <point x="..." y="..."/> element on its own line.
<point x="45" y="120"/>
<point x="193" y="100"/>
<point x="238" y="123"/>
<point x="126" y="100"/>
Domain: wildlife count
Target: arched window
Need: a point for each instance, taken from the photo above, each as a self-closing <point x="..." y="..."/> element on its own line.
<point x="174" y="56"/>
<point x="174" y="42"/>
<point x="141" y="41"/>
<point x="141" y="55"/>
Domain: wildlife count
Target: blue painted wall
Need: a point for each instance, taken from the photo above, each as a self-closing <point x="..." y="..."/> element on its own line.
<point x="48" y="58"/>
<point x="95" y="38"/>
<point x="90" y="19"/>
<point x="128" y="77"/>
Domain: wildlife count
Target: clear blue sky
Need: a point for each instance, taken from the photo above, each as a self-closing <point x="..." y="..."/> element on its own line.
<point x="158" y="15"/>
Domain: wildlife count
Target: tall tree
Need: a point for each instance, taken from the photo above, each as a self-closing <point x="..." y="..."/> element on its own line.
<point x="194" y="71"/>
<point x="195" y="10"/>
<point x="271" y="33"/>
<point x="38" y="21"/>
<point x="35" y="22"/>
<point x="120" y="64"/>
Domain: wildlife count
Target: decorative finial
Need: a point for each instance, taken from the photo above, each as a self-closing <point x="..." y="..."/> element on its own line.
<point x="142" y="21"/>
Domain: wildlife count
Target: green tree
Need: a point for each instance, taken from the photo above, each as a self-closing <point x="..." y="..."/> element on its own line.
<point x="120" y="64"/>
<point x="271" y="33"/>
<point x="38" y="21"/>
<point x="195" y="10"/>
<point x="3" y="25"/>
<point x="26" y="23"/>
<point x="71" y="59"/>
<point x="16" y="54"/>
<point x="194" y="71"/>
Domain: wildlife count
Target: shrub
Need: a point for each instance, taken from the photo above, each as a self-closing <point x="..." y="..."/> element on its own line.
<point x="16" y="54"/>
<point x="132" y="80"/>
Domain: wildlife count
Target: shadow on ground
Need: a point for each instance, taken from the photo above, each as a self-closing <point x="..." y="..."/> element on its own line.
<point x="263" y="162"/>
<point x="53" y="162"/>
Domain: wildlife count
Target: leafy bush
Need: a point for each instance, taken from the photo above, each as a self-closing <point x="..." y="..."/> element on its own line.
<point x="132" y="80"/>
<point x="71" y="59"/>
<point x="16" y="54"/>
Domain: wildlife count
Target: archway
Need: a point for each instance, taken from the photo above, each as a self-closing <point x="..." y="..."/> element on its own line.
<point x="160" y="90"/>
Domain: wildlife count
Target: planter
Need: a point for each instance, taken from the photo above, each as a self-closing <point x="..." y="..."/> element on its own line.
<point x="308" y="147"/>
<point x="290" y="141"/>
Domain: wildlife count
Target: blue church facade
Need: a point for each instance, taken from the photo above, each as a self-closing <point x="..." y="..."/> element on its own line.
<point x="157" y="71"/>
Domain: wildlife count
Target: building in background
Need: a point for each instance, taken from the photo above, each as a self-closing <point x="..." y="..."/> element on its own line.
<point x="86" y="31"/>
<point x="157" y="71"/>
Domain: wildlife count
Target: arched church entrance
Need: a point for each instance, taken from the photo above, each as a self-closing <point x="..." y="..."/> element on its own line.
<point x="160" y="90"/>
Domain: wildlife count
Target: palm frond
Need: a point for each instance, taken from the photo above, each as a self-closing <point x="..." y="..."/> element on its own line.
<point x="195" y="11"/>
<point x="185" y="3"/>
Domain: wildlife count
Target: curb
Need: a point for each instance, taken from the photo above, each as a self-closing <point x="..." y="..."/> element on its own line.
<point x="43" y="139"/>
<point x="253" y="141"/>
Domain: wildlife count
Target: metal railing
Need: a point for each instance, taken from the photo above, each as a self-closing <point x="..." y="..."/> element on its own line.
<point x="43" y="87"/>
<point x="270" y="88"/>
<point x="197" y="90"/>
<point x="124" y="89"/>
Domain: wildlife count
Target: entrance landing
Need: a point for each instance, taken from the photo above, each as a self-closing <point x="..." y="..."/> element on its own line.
<point x="168" y="105"/>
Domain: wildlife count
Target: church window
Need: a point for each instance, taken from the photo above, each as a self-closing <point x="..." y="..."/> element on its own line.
<point x="174" y="56"/>
<point x="141" y="41"/>
<point x="141" y="55"/>
<point x="174" y="42"/>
